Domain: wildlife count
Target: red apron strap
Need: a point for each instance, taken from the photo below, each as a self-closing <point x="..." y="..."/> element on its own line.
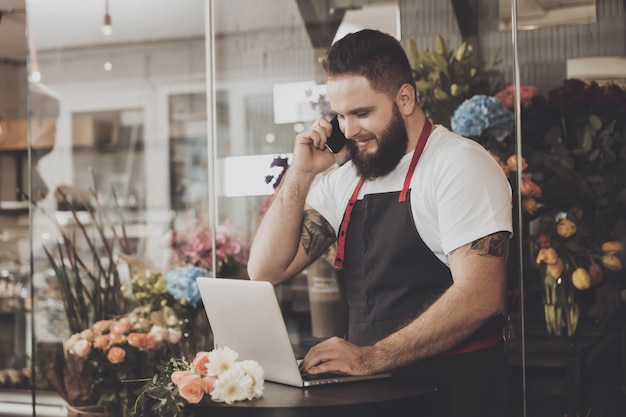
<point x="421" y="144"/>
<point x="343" y="228"/>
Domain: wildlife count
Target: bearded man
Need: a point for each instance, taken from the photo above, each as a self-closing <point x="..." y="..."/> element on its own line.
<point x="421" y="218"/>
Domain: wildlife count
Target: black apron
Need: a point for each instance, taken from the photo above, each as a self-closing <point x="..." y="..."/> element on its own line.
<point x="391" y="277"/>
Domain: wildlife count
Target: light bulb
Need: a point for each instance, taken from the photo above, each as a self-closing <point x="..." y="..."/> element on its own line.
<point x="106" y="28"/>
<point x="35" y="76"/>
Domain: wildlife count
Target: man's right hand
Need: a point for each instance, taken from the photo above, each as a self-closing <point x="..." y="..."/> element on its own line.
<point x="310" y="154"/>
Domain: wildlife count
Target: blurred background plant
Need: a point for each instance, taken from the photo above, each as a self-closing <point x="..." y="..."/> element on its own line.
<point x="576" y="146"/>
<point x="445" y="78"/>
<point x="194" y="246"/>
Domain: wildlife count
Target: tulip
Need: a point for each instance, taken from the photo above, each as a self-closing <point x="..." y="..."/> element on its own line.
<point x="547" y="255"/>
<point x="581" y="279"/>
<point x="612" y="263"/>
<point x="611" y="247"/>
<point x="566" y="228"/>
<point x="596" y="273"/>
<point x="556" y="269"/>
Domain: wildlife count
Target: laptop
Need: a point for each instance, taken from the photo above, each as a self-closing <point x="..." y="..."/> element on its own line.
<point x="245" y="316"/>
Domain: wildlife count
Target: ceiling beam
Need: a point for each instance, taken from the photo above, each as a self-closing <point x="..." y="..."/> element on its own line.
<point x="465" y="12"/>
<point x="321" y="21"/>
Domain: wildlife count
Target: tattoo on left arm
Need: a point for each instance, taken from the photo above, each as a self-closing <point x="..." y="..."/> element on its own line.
<point x="495" y="244"/>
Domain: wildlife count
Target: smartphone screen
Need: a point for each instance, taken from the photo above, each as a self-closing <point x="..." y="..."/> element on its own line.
<point x="336" y="140"/>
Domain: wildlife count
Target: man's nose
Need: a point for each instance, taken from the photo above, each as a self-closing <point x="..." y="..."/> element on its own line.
<point x="350" y="128"/>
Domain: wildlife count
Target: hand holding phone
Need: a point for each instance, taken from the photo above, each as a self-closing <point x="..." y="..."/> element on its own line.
<point x="336" y="140"/>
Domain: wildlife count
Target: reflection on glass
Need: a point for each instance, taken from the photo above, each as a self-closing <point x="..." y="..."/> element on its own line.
<point x="533" y="14"/>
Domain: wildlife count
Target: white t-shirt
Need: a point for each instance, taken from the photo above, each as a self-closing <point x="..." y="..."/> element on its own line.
<point x="458" y="192"/>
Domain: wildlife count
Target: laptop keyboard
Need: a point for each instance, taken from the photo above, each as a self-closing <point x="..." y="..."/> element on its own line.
<point x="325" y="375"/>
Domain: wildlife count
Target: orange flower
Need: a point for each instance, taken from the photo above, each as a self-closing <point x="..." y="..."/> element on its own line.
<point x="529" y="188"/>
<point x="512" y="163"/>
<point x="102" y="341"/>
<point x="142" y="341"/>
<point x="116" y="355"/>
<point x="529" y="205"/>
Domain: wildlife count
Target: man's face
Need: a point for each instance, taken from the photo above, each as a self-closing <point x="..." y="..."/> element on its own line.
<point x="373" y="124"/>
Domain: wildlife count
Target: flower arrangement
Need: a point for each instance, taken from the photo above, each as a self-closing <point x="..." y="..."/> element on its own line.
<point x="481" y="113"/>
<point x="176" y="291"/>
<point x="195" y="247"/>
<point x="572" y="260"/>
<point x="445" y="78"/>
<point x="214" y="376"/>
<point x="98" y="361"/>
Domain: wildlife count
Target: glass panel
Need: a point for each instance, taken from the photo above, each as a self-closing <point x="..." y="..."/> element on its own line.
<point x="574" y="143"/>
<point x="15" y="301"/>
<point x="126" y="164"/>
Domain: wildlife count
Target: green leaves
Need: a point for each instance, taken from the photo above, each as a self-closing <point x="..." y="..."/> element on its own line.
<point x="444" y="78"/>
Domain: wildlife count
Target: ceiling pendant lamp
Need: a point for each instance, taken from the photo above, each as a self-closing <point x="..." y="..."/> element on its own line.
<point x="106" y="28"/>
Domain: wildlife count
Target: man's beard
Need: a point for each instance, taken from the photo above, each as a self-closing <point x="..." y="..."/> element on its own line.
<point x="392" y="145"/>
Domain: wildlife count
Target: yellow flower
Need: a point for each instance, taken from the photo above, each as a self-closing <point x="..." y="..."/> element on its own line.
<point x="566" y="228"/>
<point x="581" y="279"/>
<point x="548" y="256"/>
<point x="555" y="269"/>
<point x="611" y="247"/>
<point x="612" y="263"/>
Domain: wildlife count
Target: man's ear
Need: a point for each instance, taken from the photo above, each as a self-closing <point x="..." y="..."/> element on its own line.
<point x="406" y="99"/>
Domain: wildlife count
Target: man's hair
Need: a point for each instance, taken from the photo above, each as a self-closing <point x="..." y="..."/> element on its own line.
<point x="375" y="55"/>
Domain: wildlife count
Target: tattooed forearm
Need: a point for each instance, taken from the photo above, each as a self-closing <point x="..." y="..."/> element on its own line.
<point x="493" y="245"/>
<point x="317" y="234"/>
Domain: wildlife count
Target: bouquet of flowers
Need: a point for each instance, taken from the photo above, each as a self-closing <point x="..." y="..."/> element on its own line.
<point x="175" y="291"/>
<point x="214" y="376"/>
<point x="97" y="361"/>
<point x="572" y="260"/>
<point x="195" y="247"/>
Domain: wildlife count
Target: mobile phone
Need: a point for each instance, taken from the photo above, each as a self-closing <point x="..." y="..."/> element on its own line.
<point x="336" y="140"/>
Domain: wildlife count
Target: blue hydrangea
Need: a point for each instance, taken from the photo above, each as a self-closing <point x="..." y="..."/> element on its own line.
<point x="181" y="283"/>
<point x="480" y="113"/>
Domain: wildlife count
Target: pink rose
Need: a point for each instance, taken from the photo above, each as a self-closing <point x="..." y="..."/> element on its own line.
<point x="142" y="341"/>
<point x="192" y="388"/>
<point x="102" y="342"/>
<point x="116" y="355"/>
<point x="200" y="363"/>
<point x="101" y="326"/>
<point x="117" y="338"/>
<point x="121" y="326"/>
<point x="178" y="376"/>
<point x="81" y="348"/>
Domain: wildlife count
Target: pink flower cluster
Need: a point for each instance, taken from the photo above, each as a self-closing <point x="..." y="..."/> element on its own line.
<point x="507" y="96"/>
<point x="194" y="383"/>
<point x="112" y="336"/>
<point x="220" y="377"/>
<point x="195" y="247"/>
